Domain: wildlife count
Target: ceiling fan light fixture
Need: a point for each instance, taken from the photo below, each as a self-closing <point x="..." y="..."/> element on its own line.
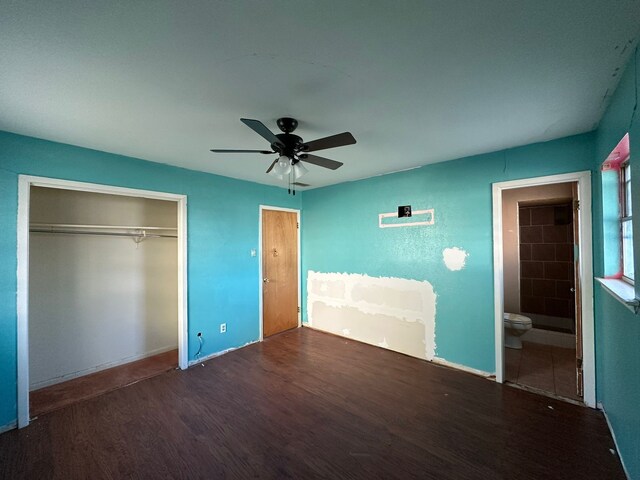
<point x="299" y="170"/>
<point x="282" y="167"/>
<point x="274" y="170"/>
<point x="275" y="175"/>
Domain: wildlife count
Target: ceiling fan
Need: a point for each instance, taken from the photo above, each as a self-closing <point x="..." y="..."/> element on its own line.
<point x="292" y="150"/>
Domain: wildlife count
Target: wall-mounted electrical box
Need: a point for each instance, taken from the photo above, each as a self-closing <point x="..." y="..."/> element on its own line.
<point x="404" y="211"/>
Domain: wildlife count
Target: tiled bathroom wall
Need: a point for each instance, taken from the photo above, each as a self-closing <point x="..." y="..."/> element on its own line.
<point x="546" y="260"/>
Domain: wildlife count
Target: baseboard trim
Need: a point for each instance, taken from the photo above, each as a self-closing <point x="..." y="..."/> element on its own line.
<point x="217" y="354"/>
<point x="9" y="426"/>
<point x="99" y="368"/>
<point x="464" y="368"/>
<point x="437" y="361"/>
<point x="615" y="440"/>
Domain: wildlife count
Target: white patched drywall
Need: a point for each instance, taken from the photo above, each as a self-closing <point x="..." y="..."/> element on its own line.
<point x="454" y="258"/>
<point x="393" y="313"/>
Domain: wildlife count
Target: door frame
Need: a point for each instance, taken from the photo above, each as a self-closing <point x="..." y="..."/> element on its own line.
<point x="299" y="271"/>
<point x="25" y="182"/>
<point x="586" y="272"/>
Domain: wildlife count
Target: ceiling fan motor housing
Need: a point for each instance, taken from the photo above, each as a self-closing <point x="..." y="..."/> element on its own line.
<point x="292" y="143"/>
<point x="287" y="124"/>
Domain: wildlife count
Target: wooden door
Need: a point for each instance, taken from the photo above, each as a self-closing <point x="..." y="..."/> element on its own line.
<point x="279" y="271"/>
<point x="577" y="291"/>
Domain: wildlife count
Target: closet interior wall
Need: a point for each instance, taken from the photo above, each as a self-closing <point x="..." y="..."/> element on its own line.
<point x="104" y="296"/>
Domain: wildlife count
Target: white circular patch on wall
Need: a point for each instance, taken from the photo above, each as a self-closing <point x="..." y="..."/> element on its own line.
<point x="454" y="258"/>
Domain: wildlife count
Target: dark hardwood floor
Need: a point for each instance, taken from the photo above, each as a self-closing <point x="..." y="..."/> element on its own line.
<point x="66" y="393"/>
<point x="304" y="404"/>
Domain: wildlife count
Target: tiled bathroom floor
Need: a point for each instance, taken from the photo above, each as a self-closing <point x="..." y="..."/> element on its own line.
<point x="544" y="367"/>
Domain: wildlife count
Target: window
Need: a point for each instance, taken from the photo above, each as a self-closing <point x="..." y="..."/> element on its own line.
<point x="626" y="230"/>
<point x="616" y="214"/>
<point x="617" y="227"/>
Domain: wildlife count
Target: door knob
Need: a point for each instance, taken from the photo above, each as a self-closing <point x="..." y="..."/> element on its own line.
<point x="572" y="289"/>
<point x="265" y="280"/>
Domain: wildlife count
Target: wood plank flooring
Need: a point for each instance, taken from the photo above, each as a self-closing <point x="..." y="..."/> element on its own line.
<point x="303" y="405"/>
<point x="66" y="393"/>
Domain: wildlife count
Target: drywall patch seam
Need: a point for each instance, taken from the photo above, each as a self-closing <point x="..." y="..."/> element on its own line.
<point x="454" y="258"/>
<point x="394" y="313"/>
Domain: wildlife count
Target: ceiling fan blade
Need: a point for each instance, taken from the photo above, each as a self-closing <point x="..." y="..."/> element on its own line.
<point x="258" y="127"/>
<point x="272" y="165"/>
<point x="321" y="161"/>
<point x="338" y="140"/>
<point x="221" y="150"/>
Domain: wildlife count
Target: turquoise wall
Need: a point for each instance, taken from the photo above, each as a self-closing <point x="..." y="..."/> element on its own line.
<point x="340" y="234"/>
<point x="617" y="328"/>
<point x="222" y="229"/>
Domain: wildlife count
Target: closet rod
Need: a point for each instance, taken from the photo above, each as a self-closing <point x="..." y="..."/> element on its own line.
<point x="108" y="227"/>
<point x="112" y="234"/>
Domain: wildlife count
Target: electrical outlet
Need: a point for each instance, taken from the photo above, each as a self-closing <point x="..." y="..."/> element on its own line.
<point x="223" y="328"/>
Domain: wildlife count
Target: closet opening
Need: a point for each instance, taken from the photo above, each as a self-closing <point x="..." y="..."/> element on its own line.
<point x="101" y="294"/>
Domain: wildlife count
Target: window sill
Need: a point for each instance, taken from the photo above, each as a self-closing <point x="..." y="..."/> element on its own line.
<point x="621" y="291"/>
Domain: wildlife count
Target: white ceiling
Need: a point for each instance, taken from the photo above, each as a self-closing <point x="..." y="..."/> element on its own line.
<point x="416" y="82"/>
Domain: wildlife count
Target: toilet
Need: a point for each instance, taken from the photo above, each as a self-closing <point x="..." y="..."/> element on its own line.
<point x="514" y="327"/>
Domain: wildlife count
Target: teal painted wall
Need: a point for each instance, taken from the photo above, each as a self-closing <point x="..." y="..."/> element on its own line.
<point x="340" y="234"/>
<point x="618" y="329"/>
<point x="222" y="229"/>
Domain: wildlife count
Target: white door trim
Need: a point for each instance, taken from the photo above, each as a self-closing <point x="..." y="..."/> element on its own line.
<point x="25" y="182"/>
<point x="281" y="209"/>
<point x="586" y="272"/>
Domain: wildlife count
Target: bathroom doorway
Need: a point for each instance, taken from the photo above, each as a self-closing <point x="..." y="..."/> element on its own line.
<point x="540" y="276"/>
